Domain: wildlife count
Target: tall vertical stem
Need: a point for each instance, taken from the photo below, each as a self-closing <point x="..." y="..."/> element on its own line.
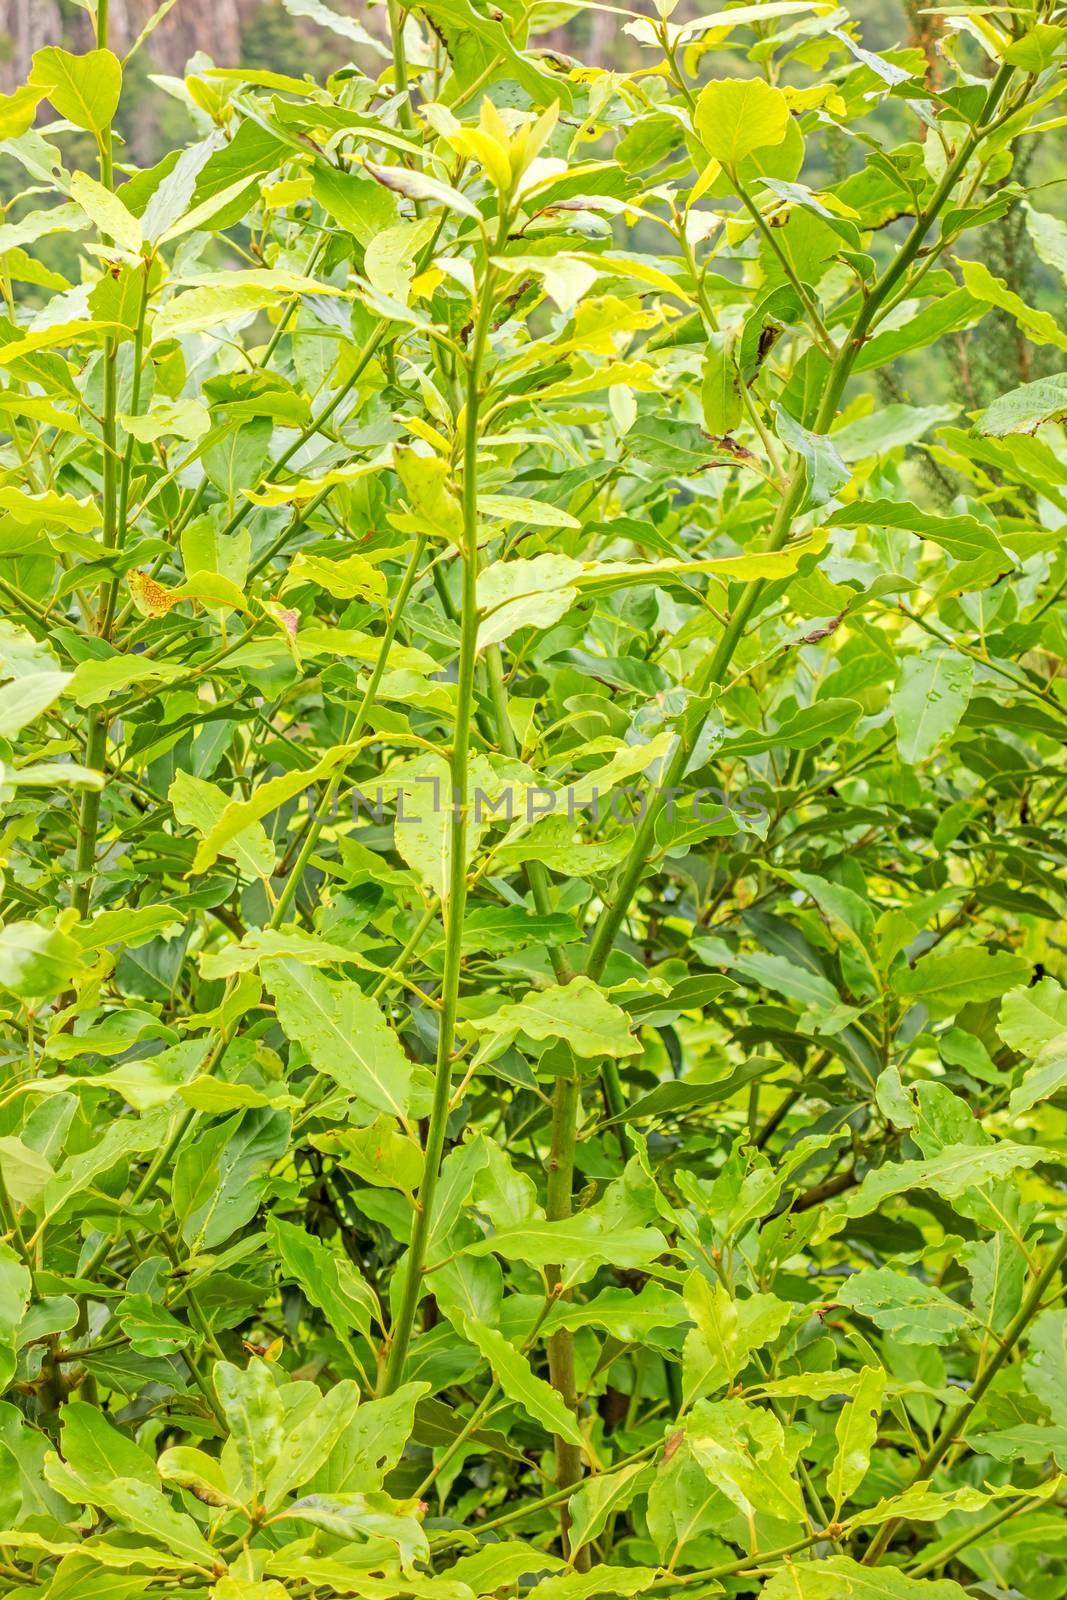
<point x="400" y="64"/>
<point x="456" y="900"/>
<point x="566" y="1098"/>
<point x="107" y="610"/>
<point x="96" y="729"/>
<point x="566" y="1102"/>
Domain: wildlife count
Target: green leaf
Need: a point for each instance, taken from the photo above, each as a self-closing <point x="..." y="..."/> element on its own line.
<point x="18" y="111"/>
<point x="24" y="700"/>
<point x="345" y="579"/>
<point x="1045" y="1369"/>
<point x="1033" y="1016"/>
<point x="421" y="186"/>
<point x="602" y="1580"/>
<point x="97" y="1451"/>
<point x="824" y="470"/>
<point x="930" y="698"/>
<point x="380" y="1154"/>
<point x="735" y="116"/>
<point x="855" y="1434"/>
<point x="579" y="1242"/>
<point x="726" y="1332"/>
<point x="36" y="963"/>
<point x="515" y="508"/>
<point x="496" y="1565"/>
<point x="963" y="537"/>
<point x="15" y="1288"/>
<point x="915" y="1312"/>
<point x="1048" y="234"/>
<point x="524" y="594"/>
<point x="329" y="1280"/>
<point x="1038" y="48"/>
<point x="238" y="815"/>
<point x="513" y="1373"/>
<point x="1045" y="1078"/>
<point x="951" y="1173"/>
<point x="248" y="1589"/>
<point x="1039" y="326"/>
<point x="578" y="1011"/>
<point x="741" y="1448"/>
<point x="254" y="1412"/>
<point x="541" y="85"/>
<point x="312" y="1441"/>
<point x="1023" y="410"/>
<point x="220" y="1178"/>
<point x="946" y="980"/>
<point x="106" y="211"/>
<point x="826" y="719"/>
<point x="720" y="391"/>
<point x="199" y="804"/>
<point x="150" y="1328"/>
<point x="359" y="204"/>
<point x="84" y="89"/>
<point x="372" y="1443"/>
<point x="344" y="1033"/>
<point x="603" y="1497"/>
<point x="95" y="679"/>
<point x="841" y="1578"/>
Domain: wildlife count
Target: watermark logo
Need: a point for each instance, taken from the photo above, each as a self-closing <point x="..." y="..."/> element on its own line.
<point x="628" y="806"/>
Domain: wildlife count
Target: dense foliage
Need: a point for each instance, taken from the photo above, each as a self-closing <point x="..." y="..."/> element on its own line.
<point x="535" y="1061"/>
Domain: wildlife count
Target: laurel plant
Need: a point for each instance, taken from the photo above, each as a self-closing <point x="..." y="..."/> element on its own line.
<point x="534" y="1055"/>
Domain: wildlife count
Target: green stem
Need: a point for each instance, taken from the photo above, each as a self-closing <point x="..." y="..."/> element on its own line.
<point x="293" y="303"/>
<point x="406" y="953"/>
<point x="12" y="1226"/>
<point x="122" y="517"/>
<point x="566" y="1099"/>
<point x="971" y="1535"/>
<point x="733" y="1568"/>
<point x="822" y="335"/>
<point x="96" y="727"/>
<point x="959" y="1420"/>
<point x="400" y="65"/>
<point x="566" y="1103"/>
<point x="530" y="1508"/>
<point x="311" y="838"/>
<point x="27" y="606"/>
<point x="633" y="869"/>
<point x="473" y="1423"/>
<point x="454" y="905"/>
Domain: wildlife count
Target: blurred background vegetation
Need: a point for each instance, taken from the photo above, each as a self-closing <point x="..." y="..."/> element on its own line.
<point x="304" y="36"/>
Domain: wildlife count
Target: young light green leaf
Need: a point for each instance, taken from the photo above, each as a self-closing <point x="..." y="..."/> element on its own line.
<point x="84" y="89"/>
<point x="578" y="1012"/>
<point x="735" y="116"/>
<point x="107" y="211"/>
<point x="856" y="1431"/>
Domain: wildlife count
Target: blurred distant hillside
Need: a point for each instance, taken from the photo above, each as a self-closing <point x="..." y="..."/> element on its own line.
<point x="320" y="36"/>
<point x="273" y="32"/>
